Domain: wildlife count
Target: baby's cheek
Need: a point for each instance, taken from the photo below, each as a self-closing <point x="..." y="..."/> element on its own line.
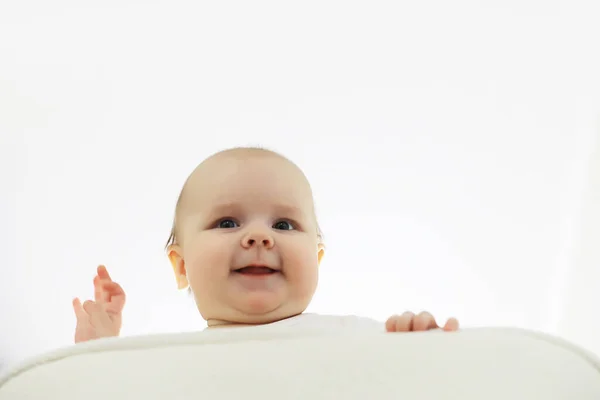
<point x="206" y="262"/>
<point x="208" y="266"/>
<point x="206" y="279"/>
<point x="304" y="273"/>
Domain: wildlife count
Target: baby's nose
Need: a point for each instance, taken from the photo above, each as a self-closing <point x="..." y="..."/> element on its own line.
<point x="257" y="238"/>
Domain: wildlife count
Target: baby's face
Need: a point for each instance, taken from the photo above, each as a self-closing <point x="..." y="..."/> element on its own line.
<point x="249" y="242"/>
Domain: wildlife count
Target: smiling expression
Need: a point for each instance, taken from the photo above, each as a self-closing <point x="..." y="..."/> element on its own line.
<point x="247" y="239"/>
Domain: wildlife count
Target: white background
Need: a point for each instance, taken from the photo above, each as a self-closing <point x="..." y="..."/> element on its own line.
<point x="453" y="148"/>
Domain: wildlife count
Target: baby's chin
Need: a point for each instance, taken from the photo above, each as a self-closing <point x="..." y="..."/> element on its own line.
<point x="255" y="313"/>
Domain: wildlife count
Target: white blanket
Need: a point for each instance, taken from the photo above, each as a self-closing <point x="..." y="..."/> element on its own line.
<point x="473" y="364"/>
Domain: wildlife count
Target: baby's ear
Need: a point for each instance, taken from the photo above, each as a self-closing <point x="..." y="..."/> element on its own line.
<point x="176" y="258"/>
<point x="320" y="252"/>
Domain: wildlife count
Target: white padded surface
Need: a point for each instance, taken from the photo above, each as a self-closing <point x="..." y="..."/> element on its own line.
<point x="472" y="364"/>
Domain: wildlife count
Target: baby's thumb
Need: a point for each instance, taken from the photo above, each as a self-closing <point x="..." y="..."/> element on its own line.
<point x="80" y="313"/>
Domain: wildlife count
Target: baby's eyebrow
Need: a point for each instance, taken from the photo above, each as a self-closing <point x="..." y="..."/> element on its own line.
<point x="290" y="210"/>
<point x="284" y="210"/>
<point x="224" y="208"/>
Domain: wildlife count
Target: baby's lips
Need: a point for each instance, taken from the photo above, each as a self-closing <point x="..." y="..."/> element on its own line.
<point x="256" y="270"/>
<point x="267" y="265"/>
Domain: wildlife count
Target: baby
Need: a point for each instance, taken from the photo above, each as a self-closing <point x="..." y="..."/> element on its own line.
<point x="246" y="242"/>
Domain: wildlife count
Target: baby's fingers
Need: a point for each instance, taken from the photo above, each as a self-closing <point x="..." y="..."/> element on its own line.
<point x="424" y="322"/>
<point x="98" y="317"/>
<point x="103" y="273"/>
<point x="400" y="323"/>
<point x="102" y="277"/>
<point x="80" y="313"/>
<point x="451" y="325"/>
<point x="113" y="289"/>
<point x="116" y="297"/>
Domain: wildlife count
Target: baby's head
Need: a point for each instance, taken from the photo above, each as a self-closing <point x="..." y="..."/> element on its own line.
<point x="245" y="238"/>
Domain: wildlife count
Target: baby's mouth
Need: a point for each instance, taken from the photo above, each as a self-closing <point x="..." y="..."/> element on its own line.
<point x="255" y="271"/>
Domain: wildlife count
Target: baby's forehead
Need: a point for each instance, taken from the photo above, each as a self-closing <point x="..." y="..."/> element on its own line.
<point x="227" y="181"/>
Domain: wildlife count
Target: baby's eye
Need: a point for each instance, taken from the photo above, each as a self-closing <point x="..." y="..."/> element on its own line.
<point x="283" y="225"/>
<point x="227" y="224"/>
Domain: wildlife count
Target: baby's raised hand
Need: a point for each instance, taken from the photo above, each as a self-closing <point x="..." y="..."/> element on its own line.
<point x="409" y="322"/>
<point x="103" y="316"/>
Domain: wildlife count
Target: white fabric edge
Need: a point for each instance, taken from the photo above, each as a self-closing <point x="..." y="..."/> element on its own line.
<point x="217" y="336"/>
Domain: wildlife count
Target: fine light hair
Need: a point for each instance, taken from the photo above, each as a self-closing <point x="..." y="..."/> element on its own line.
<point x="173" y="237"/>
